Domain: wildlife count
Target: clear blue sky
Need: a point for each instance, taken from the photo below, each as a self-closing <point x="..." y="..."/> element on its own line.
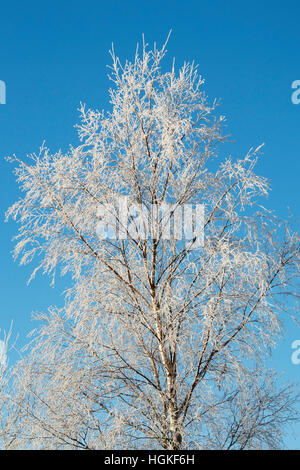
<point x="53" y="55"/>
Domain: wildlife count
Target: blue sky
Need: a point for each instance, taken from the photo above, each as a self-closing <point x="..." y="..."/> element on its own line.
<point x="54" y="55"/>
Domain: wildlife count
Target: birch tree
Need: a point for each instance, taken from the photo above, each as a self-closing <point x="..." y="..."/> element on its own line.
<point x="162" y="340"/>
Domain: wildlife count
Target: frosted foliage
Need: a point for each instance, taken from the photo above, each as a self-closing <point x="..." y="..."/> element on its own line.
<point x="159" y="345"/>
